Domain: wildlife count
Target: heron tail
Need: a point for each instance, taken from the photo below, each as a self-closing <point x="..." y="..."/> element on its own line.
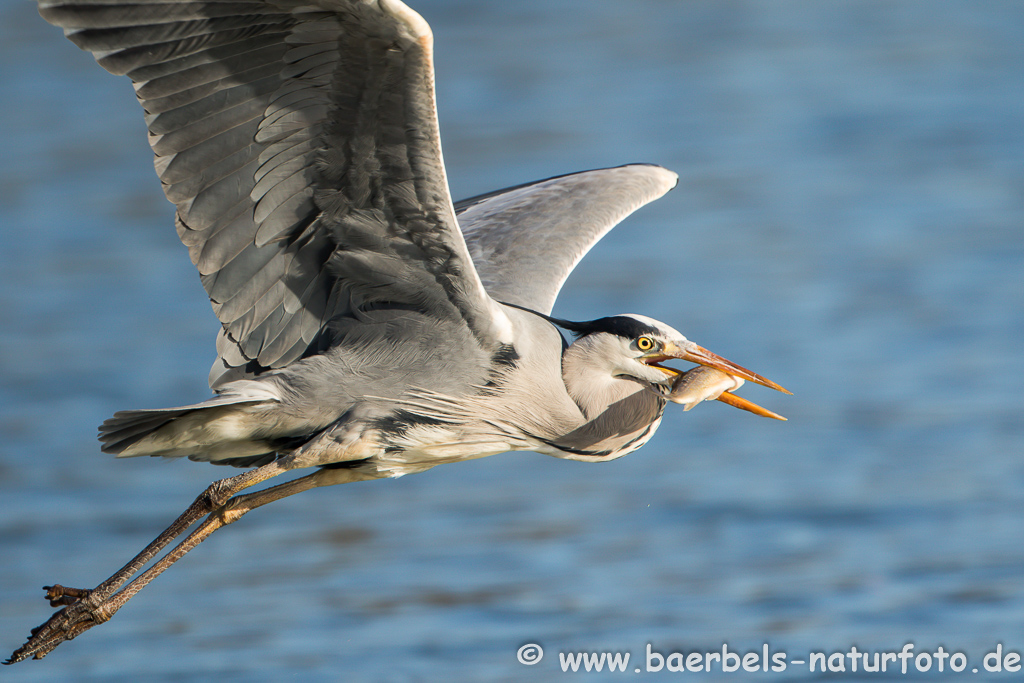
<point x="224" y="430"/>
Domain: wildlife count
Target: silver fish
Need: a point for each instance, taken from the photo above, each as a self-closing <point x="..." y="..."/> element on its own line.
<point x="708" y="384"/>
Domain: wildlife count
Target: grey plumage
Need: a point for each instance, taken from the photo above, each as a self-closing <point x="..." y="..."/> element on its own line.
<point x="300" y="146"/>
<point x="301" y="150"/>
<point x="273" y="161"/>
<point x="369" y="326"/>
<point x="526" y="240"/>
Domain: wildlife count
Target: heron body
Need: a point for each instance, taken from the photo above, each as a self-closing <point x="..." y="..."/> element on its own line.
<point x="369" y="326"/>
<point x="451" y="402"/>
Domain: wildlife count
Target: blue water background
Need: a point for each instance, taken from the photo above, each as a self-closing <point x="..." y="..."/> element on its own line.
<point x="849" y="221"/>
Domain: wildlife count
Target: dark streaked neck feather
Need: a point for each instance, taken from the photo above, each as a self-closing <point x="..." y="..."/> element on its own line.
<point x="619" y="426"/>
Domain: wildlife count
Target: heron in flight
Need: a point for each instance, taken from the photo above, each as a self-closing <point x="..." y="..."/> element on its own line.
<point x="370" y="327"/>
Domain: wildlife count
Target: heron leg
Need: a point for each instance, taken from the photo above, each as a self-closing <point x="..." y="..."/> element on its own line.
<point x="85" y="608"/>
<point x="230" y="512"/>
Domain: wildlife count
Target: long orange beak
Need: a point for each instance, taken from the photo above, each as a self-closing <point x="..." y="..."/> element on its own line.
<point x="743" y="404"/>
<point x="701" y="356"/>
<point x="698" y="354"/>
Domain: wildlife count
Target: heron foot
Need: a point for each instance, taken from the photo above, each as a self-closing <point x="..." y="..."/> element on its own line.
<point x="77" y="617"/>
<point x="81" y="609"/>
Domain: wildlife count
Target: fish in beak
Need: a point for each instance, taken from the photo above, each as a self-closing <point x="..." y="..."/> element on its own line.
<point x="714" y="378"/>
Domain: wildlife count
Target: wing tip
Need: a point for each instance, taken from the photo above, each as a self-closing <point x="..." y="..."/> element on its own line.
<point x="666" y="179"/>
<point x="413" y="21"/>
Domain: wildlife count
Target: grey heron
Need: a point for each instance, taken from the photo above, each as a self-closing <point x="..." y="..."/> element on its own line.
<point x="370" y="327"/>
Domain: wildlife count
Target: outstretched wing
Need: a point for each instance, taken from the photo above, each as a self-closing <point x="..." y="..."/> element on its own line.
<point x="525" y="240"/>
<point x="299" y="141"/>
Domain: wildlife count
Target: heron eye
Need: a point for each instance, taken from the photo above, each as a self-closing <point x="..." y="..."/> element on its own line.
<point x="645" y="343"/>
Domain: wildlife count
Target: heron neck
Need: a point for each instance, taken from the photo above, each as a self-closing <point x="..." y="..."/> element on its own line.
<point x="619" y="415"/>
<point x="593" y="386"/>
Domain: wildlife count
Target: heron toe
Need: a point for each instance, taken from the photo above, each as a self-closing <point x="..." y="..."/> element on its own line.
<point x="59" y="595"/>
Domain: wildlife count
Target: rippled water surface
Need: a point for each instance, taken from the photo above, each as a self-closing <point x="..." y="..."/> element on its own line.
<point x="848" y="222"/>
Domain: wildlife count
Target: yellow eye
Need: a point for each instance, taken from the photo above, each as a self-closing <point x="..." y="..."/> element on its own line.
<point x="645" y="343"/>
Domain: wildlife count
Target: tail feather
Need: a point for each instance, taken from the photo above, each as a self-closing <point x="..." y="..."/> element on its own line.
<point x="128" y="427"/>
<point x="226" y="428"/>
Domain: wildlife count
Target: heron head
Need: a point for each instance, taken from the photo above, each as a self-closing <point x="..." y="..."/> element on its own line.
<point x="635" y="346"/>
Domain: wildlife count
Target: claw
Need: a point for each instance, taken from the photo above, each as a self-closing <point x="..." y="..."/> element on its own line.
<point x="65" y="624"/>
